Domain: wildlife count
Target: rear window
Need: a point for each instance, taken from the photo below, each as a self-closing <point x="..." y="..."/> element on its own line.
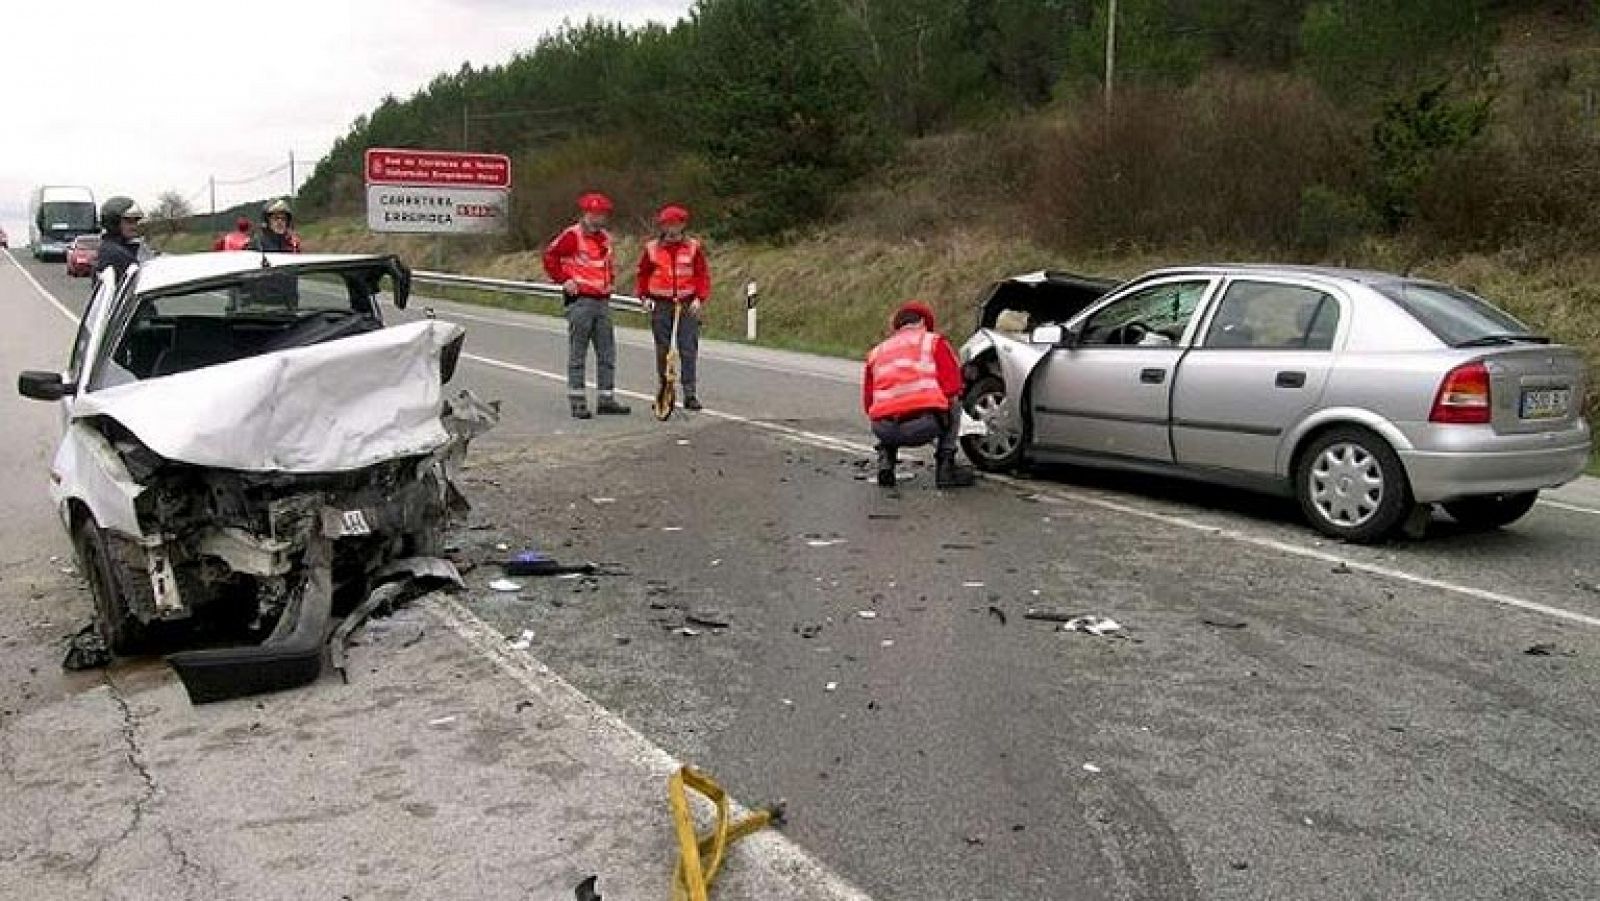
<point x="1455" y="316"/>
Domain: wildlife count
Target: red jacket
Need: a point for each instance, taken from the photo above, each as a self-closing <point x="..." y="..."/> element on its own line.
<point x="563" y="248"/>
<point x="700" y="283"/>
<point x="944" y="357"/>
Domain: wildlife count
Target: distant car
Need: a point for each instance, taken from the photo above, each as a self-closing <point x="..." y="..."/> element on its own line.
<point x="1364" y="395"/>
<point x="81" y="255"/>
<point x="5" y="242"/>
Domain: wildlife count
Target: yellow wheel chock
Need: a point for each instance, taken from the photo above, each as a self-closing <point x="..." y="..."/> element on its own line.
<point x="700" y="858"/>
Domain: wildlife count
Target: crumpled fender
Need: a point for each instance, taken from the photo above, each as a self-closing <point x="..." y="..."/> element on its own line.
<point x="1019" y="360"/>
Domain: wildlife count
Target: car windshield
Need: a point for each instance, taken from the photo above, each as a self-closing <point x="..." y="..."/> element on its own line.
<point x="66" y="215"/>
<point x="1454" y="316"/>
<point x="243" y="316"/>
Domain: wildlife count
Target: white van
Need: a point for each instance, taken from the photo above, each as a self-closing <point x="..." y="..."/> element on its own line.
<point x="56" y="215"/>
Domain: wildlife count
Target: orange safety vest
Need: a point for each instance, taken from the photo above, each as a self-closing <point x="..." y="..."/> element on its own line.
<point x="590" y="267"/>
<point x="672" y="275"/>
<point x="236" y="240"/>
<point x="905" y="376"/>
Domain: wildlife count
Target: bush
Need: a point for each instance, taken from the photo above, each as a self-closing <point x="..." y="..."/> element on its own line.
<point x="1332" y="221"/>
<point x="1224" y="162"/>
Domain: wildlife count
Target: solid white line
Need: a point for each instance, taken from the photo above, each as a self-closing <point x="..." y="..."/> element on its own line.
<point x="1571" y="508"/>
<point x="782" y="856"/>
<point x="71" y="316"/>
<point x="828" y="442"/>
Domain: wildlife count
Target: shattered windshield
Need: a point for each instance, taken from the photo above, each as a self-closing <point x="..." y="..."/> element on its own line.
<point x="244" y="316"/>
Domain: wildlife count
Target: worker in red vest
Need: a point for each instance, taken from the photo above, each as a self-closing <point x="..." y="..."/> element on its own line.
<point x="912" y="394"/>
<point x="239" y="238"/>
<point x="674" y="280"/>
<point x="580" y="260"/>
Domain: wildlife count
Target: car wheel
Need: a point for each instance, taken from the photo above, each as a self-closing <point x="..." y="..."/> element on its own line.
<point x="122" y="633"/>
<point x="998" y="449"/>
<point x="1491" y="511"/>
<point x="1352" y="486"/>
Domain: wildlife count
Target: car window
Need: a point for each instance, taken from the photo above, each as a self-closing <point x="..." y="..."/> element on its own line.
<point x="242" y="317"/>
<point x="1454" y="316"/>
<point x="1273" y="316"/>
<point x="1153" y="316"/>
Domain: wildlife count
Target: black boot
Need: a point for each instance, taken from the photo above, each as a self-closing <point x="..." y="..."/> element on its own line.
<point x="948" y="473"/>
<point x="608" y="406"/>
<point x="691" y="401"/>
<point x="888" y="459"/>
<point x="580" y="409"/>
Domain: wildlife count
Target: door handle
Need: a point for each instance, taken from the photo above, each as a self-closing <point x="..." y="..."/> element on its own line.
<point x="1152" y="376"/>
<point x="1291" y="380"/>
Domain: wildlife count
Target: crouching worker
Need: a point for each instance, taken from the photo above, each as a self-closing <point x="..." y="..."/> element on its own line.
<point x="912" y="394"/>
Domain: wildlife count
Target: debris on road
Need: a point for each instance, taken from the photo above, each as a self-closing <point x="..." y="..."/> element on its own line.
<point x="538" y="563"/>
<point x="1342" y="569"/>
<point x="972" y="583"/>
<point x="867" y="614"/>
<point x="824" y="542"/>
<point x="523" y="641"/>
<point x="709" y="617"/>
<point x="505" y="585"/>
<point x="700" y="857"/>
<point x="883" y="516"/>
<point x="998" y="614"/>
<point x="1090" y="768"/>
<point x="586" y="890"/>
<point x="687" y="632"/>
<point x="807" y="630"/>
<point x="974" y="840"/>
<point x="1050" y="615"/>
<point x="672" y="528"/>
<point x="1092" y="625"/>
<point x="602" y="501"/>
<point x="886" y="643"/>
<point x="831" y="686"/>
<point x="87" y="650"/>
<point x="441" y="721"/>
<point x="1548" y="649"/>
<point x="1220" y="621"/>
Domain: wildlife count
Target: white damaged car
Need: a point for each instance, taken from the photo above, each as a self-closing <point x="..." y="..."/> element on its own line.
<point x="244" y="439"/>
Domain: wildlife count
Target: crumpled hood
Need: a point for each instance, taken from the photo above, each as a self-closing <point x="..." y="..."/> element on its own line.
<point x="333" y="407"/>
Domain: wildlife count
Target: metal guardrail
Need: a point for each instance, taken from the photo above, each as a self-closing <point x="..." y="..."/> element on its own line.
<point x="511" y="286"/>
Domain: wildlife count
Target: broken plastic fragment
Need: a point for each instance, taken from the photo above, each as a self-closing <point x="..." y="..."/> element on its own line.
<point x="524" y="641"/>
<point x="972" y="583"/>
<point x="1091" y="768"/>
<point x="672" y="528"/>
<point x="442" y="721"/>
<point x="867" y="614"/>
<point x="886" y="643"/>
<point x="818" y="542"/>
<point x="505" y="585"/>
<point x="831" y="686"/>
<point x="688" y="632"/>
<point x="1091" y="625"/>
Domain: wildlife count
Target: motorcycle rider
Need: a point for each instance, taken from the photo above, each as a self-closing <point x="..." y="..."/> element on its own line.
<point x="276" y="234"/>
<point x="120" y="244"/>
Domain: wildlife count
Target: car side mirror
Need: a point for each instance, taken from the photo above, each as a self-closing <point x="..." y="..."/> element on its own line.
<point x="40" y="385"/>
<point x="1048" y="334"/>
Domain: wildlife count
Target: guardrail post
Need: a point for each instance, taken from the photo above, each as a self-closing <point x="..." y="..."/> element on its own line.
<point x="751" y="293"/>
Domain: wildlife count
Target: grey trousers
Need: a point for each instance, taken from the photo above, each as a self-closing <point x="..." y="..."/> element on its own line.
<point x="938" y="429"/>
<point x="589" y="322"/>
<point x="688" y="342"/>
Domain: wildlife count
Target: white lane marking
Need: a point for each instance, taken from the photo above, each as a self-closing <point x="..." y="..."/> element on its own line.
<point x="784" y="859"/>
<point x="705" y="352"/>
<point x="71" y="316"/>
<point x="1570" y="508"/>
<point x="828" y="442"/>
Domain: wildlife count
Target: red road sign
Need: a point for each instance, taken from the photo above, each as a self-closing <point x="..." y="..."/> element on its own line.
<point x="437" y="168"/>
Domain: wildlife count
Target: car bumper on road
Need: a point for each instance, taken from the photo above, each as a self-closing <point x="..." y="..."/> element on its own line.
<point x="1444" y="476"/>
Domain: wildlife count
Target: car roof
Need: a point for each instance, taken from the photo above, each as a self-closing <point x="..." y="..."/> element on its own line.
<point x="176" y="269"/>
<point x="1331" y="273"/>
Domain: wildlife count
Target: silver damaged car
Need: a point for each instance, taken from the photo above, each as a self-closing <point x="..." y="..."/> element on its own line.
<point x="1366" y="396"/>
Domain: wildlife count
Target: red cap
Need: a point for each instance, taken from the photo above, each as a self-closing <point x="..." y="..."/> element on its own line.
<point x="914" y="308"/>
<point x="673" y="214"/>
<point x="594" y="202"/>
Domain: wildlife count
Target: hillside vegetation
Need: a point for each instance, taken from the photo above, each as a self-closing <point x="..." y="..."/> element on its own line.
<point x="850" y="153"/>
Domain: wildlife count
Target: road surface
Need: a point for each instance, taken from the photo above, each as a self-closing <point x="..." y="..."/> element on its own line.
<point x="1285" y="718"/>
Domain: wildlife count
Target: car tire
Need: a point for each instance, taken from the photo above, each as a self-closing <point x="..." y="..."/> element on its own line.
<point x="992" y="452"/>
<point x="1352" y="486"/>
<point x="118" y="628"/>
<point x="1491" y="511"/>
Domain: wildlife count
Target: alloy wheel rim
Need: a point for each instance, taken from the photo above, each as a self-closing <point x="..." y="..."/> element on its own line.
<point x="997" y="442"/>
<point x="1347" y="484"/>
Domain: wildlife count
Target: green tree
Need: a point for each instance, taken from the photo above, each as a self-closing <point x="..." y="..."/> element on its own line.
<point x="785" y="117"/>
<point x="1381" y="49"/>
<point x="1155" y="45"/>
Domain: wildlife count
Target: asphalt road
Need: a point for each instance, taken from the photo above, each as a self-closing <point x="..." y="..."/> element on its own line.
<point x="1285" y="718"/>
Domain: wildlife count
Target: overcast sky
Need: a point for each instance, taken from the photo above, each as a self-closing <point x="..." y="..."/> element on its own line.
<point x="139" y="98"/>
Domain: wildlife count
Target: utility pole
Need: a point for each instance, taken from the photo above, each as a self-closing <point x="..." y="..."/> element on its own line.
<point x="212" y="183"/>
<point x="292" y="185"/>
<point x="1111" y="50"/>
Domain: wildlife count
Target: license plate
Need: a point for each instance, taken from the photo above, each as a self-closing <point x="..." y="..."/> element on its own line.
<point x="1546" y="403"/>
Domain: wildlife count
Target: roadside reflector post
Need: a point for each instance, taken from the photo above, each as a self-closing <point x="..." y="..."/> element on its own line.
<point x="751" y="294"/>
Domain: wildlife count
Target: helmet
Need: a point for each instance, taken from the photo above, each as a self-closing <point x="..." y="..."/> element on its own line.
<point x="594" y="202"/>
<point x="911" y="311"/>
<point x="673" y="214"/>
<point x="277" y="206"/>
<point x="116" y="209"/>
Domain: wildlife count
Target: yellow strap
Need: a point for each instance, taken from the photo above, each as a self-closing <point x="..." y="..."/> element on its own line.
<point x="693" y="873"/>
